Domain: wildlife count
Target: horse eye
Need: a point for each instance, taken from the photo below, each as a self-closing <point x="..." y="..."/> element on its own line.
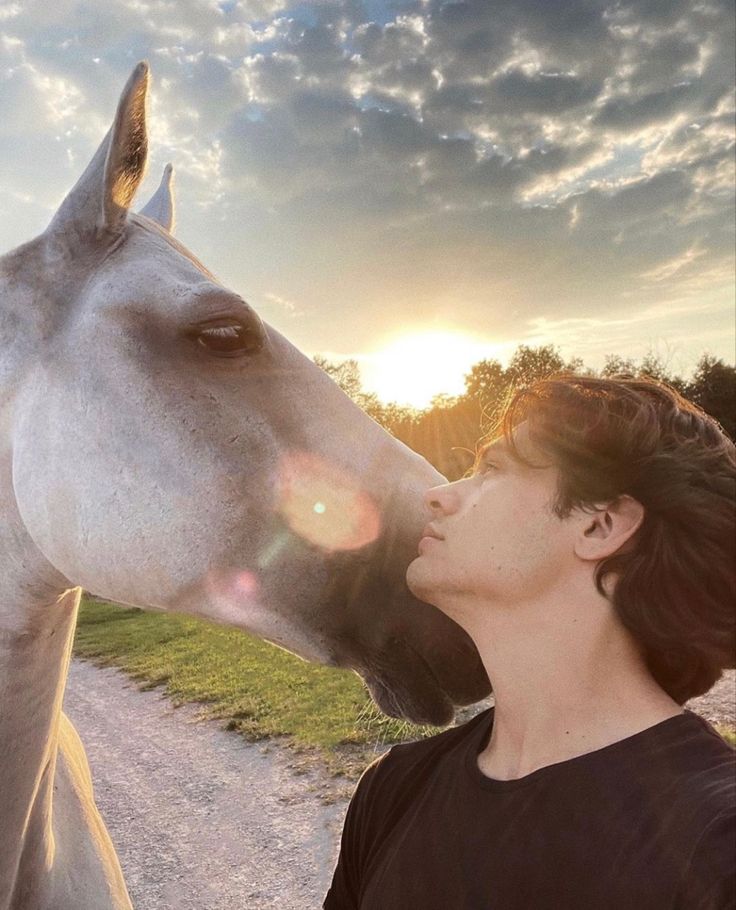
<point x="229" y="339"/>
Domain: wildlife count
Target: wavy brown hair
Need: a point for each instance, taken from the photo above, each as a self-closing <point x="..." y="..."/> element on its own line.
<point x="675" y="588"/>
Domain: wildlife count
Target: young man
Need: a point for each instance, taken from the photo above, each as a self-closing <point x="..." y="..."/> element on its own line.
<point x="590" y="556"/>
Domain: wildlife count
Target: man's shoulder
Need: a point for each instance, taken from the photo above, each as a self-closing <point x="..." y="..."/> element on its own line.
<point x="697" y="772"/>
<point x="447" y="741"/>
<point x="668" y="788"/>
<point x="416" y="759"/>
<point x="692" y="751"/>
<point x="699" y="806"/>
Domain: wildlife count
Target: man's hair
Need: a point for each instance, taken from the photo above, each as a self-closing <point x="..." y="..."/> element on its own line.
<point x="675" y="585"/>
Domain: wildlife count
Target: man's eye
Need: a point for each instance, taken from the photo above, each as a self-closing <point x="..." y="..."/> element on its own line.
<point x="485" y="467"/>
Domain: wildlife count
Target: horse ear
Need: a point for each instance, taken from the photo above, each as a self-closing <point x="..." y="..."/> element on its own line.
<point x="160" y="207"/>
<point x="99" y="200"/>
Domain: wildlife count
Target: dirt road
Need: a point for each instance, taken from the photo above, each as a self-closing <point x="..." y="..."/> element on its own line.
<point x="203" y="820"/>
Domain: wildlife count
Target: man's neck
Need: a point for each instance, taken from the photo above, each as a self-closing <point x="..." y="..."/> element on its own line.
<point x="566" y="682"/>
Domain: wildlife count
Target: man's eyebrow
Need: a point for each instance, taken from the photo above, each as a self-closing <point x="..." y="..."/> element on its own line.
<point x="497" y="447"/>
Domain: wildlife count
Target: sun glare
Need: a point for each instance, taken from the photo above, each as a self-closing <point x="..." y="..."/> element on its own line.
<point x="324" y="504"/>
<point x="414" y="368"/>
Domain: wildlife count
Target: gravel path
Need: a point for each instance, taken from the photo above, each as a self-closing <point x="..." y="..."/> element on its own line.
<point x="719" y="705"/>
<point x="203" y="820"/>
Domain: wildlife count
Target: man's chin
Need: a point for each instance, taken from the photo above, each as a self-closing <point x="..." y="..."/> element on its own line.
<point x="419" y="581"/>
<point x="429" y="583"/>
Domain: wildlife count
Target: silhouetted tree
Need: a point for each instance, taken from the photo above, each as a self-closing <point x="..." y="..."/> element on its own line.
<point x="443" y="401"/>
<point x="576" y="365"/>
<point x="530" y="364"/>
<point x="346" y="374"/>
<point x="713" y="387"/>
<point x="651" y="367"/>
<point x="616" y="365"/>
<point x="485" y="381"/>
<point x="447" y="432"/>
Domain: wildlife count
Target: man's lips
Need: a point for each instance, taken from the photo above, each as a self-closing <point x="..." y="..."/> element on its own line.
<point x="428" y="534"/>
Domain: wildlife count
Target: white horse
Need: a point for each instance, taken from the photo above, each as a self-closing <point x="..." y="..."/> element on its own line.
<point x="160" y="446"/>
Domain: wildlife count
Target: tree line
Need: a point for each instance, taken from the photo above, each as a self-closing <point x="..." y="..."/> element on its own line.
<point x="446" y="433"/>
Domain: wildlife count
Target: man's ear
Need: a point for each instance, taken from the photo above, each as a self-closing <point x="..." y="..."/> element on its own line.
<point x="611" y="526"/>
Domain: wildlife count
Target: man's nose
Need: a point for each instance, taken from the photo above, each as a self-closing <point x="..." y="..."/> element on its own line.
<point x="443" y="499"/>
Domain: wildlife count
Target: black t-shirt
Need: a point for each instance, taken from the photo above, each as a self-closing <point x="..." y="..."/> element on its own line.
<point x="646" y="823"/>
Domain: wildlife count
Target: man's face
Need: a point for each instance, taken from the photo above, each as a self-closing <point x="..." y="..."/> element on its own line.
<point x="498" y="539"/>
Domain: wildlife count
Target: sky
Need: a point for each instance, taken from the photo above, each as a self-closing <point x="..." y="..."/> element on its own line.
<point x="476" y="174"/>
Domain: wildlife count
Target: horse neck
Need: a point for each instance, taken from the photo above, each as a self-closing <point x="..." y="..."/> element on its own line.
<point x="37" y="618"/>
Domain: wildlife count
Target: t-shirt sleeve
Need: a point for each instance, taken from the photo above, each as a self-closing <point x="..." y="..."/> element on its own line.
<point x="709" y="882"/>
<point x="344" y="893"/>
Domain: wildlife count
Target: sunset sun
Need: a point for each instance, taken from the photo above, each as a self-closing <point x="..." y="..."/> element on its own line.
<point x="413" y="368"/>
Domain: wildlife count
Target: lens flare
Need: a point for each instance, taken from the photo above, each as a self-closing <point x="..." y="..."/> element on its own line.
<point x="232" y="594"/>
<point x="324" y="504"/>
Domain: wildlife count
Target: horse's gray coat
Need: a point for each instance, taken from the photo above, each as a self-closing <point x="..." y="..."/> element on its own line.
<point x="138" y="462"/>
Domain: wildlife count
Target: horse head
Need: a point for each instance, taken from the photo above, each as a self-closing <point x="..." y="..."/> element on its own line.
<point x="172" y="451"/>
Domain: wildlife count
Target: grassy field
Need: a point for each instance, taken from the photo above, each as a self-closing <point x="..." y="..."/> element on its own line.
<point x="257" y="689"/>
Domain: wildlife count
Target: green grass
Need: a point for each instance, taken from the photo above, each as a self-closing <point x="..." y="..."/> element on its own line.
<point x="728" y="734"/>
<point x="257" y="689"/>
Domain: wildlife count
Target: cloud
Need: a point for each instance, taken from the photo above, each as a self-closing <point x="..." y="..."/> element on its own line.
<point x="542" y="93"/>
<point x="627" y="114"/>
<point x="282" y="304"/>
<point x="417" y="158"/>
